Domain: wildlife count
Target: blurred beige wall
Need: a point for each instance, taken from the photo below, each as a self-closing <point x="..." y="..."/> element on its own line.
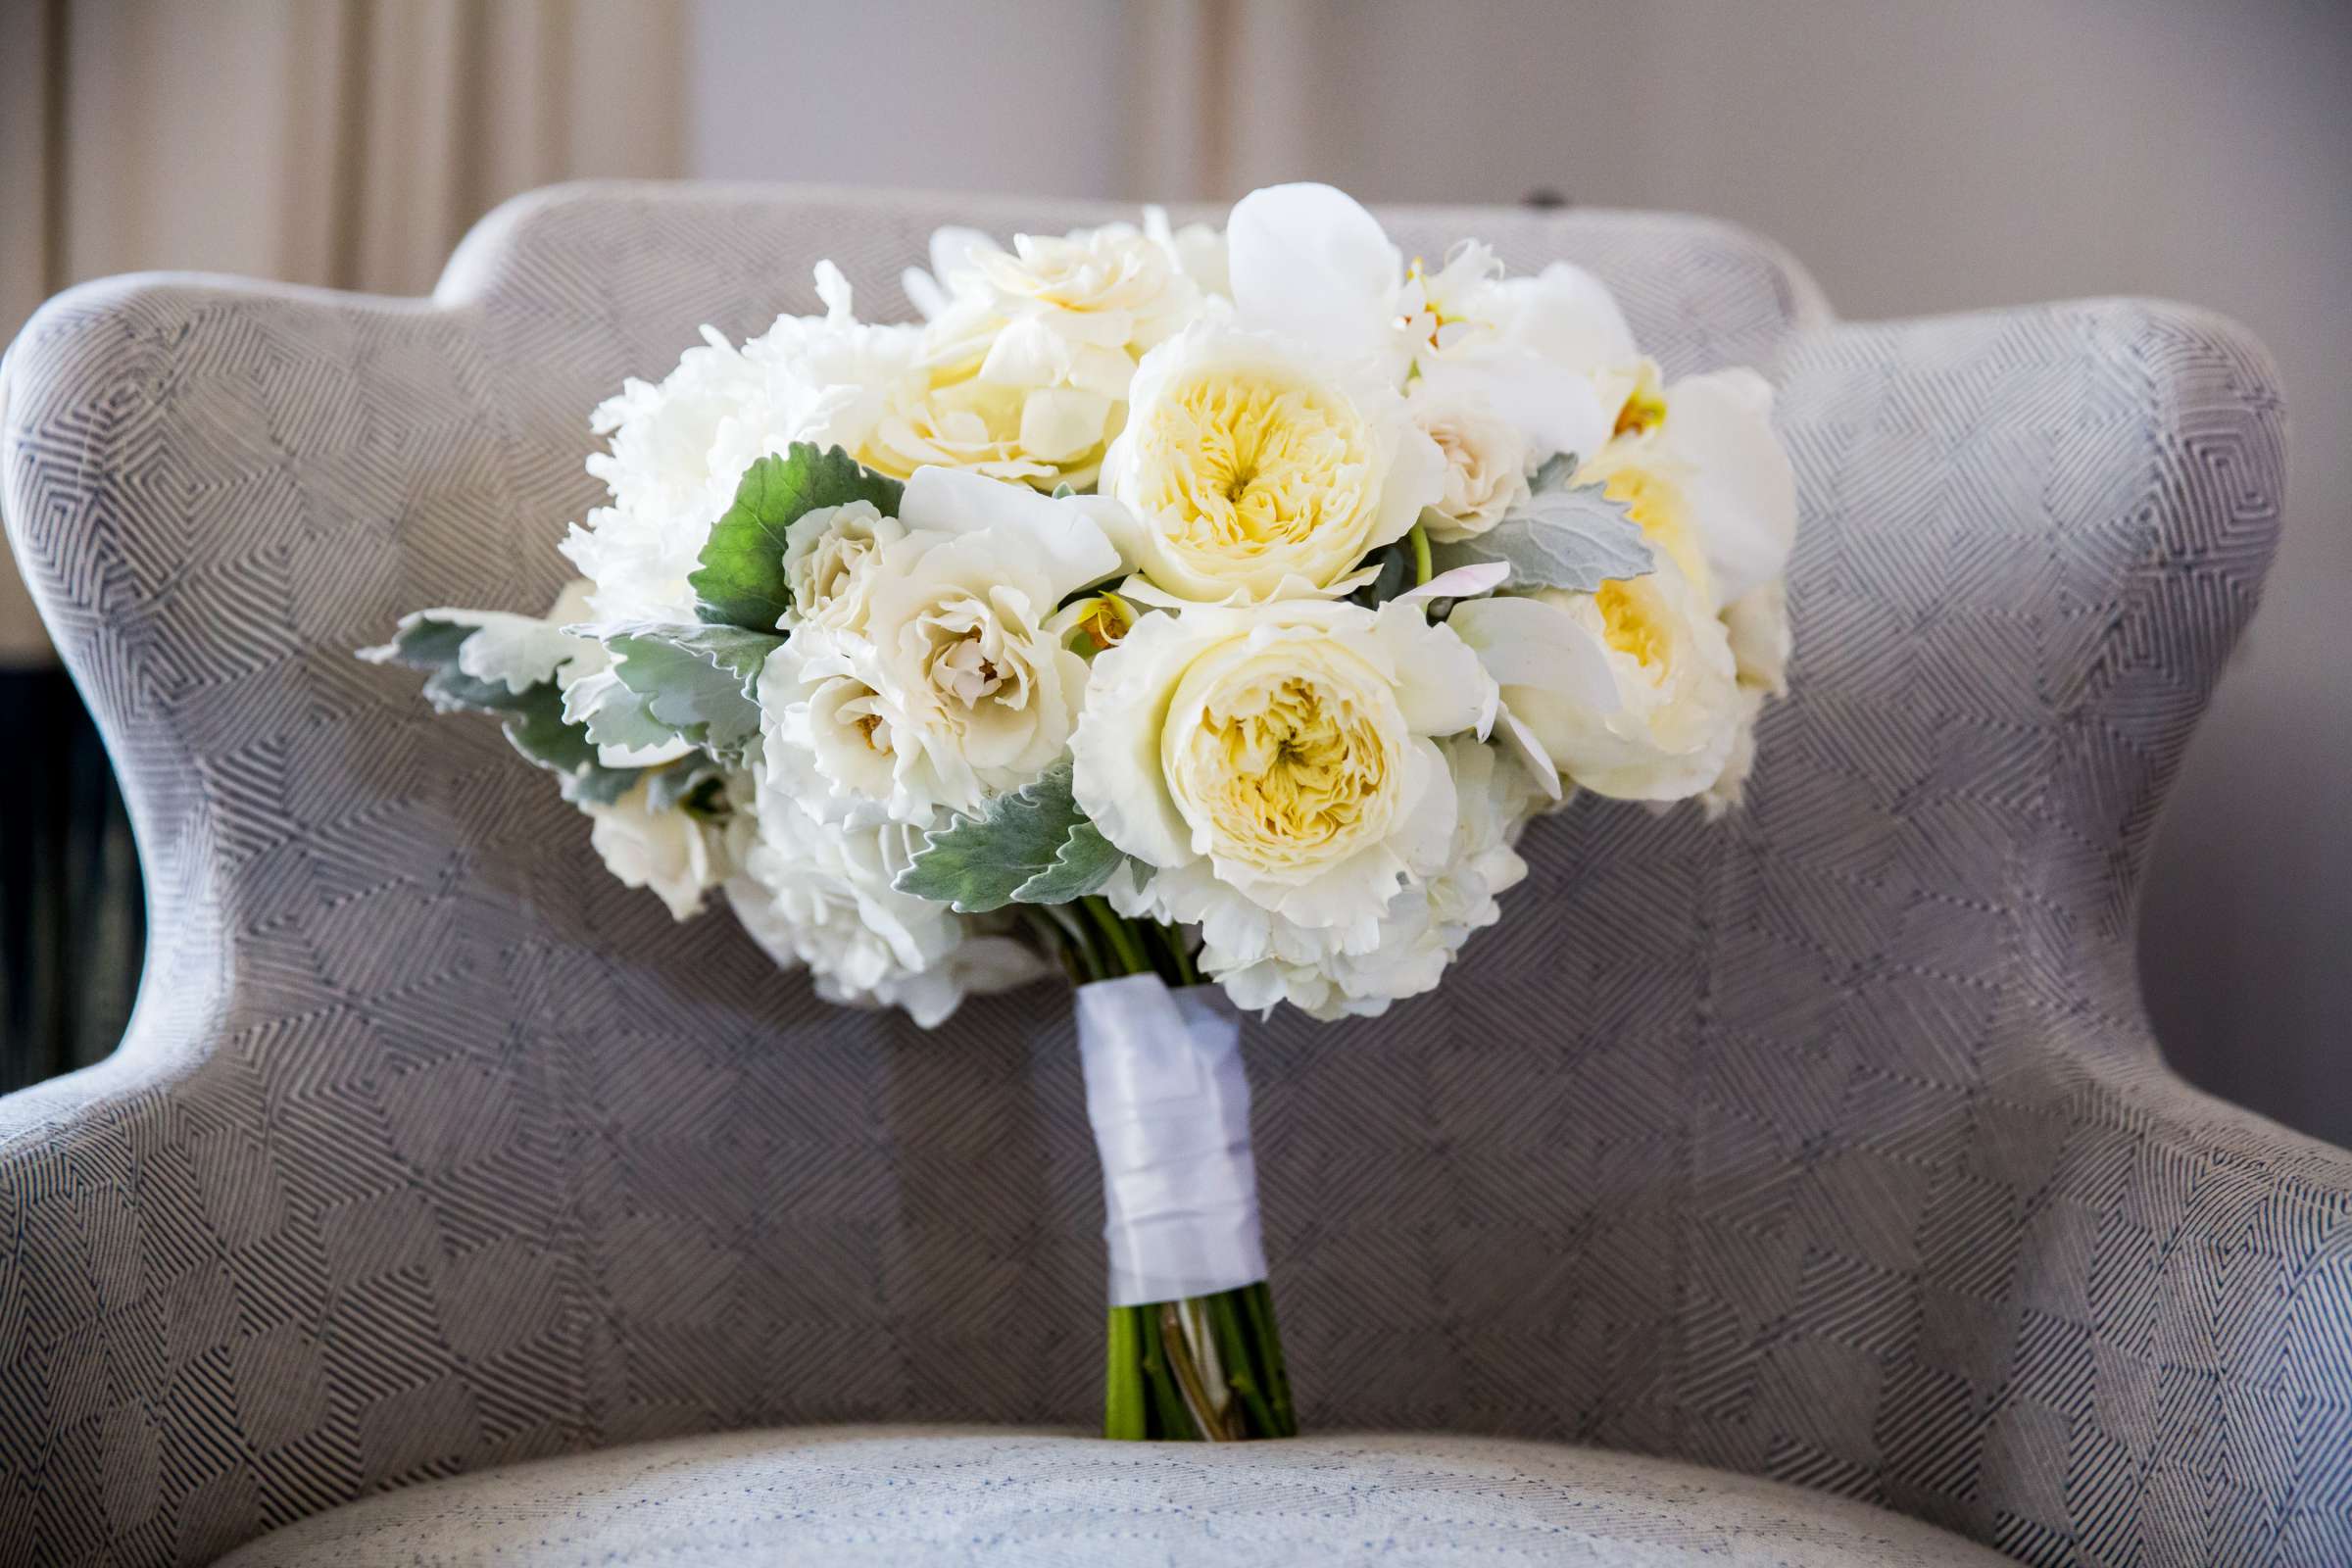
<point x="343" y="143"/>
<point x="1919" y="156"/>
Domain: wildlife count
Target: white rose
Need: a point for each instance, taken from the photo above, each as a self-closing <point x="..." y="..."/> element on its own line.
<point x="1079" y="311"/>
<point x="829" y="558"/>
<point x="1275" y="766"/>
<point x="1486" y="461"/>
<point x="667" y="848"/>
<point x="1630" y="692"/>
<point x="1250" y="469"/>
<point x="951" y="419"/>
<point x="1429" y="920"/>
<point x="955" y="685"/>
<point x="820" y="895"/>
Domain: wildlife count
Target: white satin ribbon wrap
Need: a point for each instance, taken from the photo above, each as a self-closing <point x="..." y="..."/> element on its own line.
<point x="1170" y="1108"/>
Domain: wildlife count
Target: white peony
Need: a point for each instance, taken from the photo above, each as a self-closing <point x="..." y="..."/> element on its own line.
<point x="1486" y="461"/>
<point x="1275" y="767"/>
<point x="1429" y="920"/>
<point x="679" y="448"/>
<point x="820" y="895"/>
<point x="1249" y="468"/>
<point x="667" y="848"/>
<point x="1546" y="352"/>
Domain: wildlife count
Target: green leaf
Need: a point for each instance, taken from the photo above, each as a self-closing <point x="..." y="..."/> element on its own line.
<point x="1554" y="474"/>
<point x="1033" y="846"/>
<point x="691" y="781"/>
<point x="1575" y="538"/>
<point x="427" y="643"/>
<point x="741" y="582"/>
<point x="535" y="716"/>
<point x="1082" y="865"/>
<point x="1396" y="575"/>
<point x="536" y="727"/>
<point x="620" y="716"/>
<point x="702" y="683"/>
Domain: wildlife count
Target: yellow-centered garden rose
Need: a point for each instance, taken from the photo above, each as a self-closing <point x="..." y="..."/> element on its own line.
<point x="1251" y="470"/>
<point x="1274" y="767"/>
<point x="1628" y="692"/>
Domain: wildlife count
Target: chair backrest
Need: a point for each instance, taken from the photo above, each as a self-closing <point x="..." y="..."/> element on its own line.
<point x="431" y="1147"/>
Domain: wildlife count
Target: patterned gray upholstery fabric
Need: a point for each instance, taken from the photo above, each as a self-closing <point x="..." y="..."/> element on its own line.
<point x="896" y="1497"/>
<point x="1827" y="1145"/>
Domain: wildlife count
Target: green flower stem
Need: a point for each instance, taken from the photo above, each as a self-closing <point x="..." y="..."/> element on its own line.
<point x="1207" y="1419"/>
<point x="1159" y="1390"/>
<point x="1171" y="1422"/>
<point x="1125" y="946"/>
<point x="1423" y="567"/>
<point x="1126" y="1414"/>
<point x="1186" y="974"/>
<point x="1259" y="1302"/>
<point x="1245" y="1364"/>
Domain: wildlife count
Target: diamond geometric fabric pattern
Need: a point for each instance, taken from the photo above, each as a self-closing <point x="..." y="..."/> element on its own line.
<point x="1827" y="1144"/>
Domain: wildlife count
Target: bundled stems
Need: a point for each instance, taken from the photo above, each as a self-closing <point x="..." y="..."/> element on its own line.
<point x="1095" y="941"/>
<point x="1207" y="1369"/>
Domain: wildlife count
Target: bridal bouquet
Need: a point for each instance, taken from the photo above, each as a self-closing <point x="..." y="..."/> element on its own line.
<point x="1203" y="615"/>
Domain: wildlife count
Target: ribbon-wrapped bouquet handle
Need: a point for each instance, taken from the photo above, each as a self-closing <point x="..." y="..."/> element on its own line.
<point x="1194" y="1353"/>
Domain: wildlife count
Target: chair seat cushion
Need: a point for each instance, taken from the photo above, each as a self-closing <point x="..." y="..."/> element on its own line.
<point x="916" y="1496"/>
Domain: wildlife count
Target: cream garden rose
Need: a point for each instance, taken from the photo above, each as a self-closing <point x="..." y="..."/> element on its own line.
<point x="829" y="562"/>
<point x="1251" y="469"/>
<point x="1709" y="482"/>
<point x="1079" y="311"/>
<point x="1628" y="692"/>
<point x="1429" y="920"/>
<point x="1275" y="767"/>
<point x="952" y="683"/>
<point x="1486" y="462"/>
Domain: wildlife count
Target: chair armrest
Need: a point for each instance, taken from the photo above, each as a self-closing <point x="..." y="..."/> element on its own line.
<point x="2174" y="1354"/>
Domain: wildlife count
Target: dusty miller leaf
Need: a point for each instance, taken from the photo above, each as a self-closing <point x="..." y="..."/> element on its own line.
<point x="534" y="717"/>
<point x="1554" y="474"/>
<point x="1033" y="846"/>
<point x="1575" y="538"/>
<point x="701" y="682"/>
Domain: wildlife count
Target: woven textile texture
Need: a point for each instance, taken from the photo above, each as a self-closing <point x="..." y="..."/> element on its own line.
<point x="1825" y="1145"/>
<point x="899" y="1498"/>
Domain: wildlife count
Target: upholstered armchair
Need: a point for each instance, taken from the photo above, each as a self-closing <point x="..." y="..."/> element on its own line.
<point x="1800" y="1189"/>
